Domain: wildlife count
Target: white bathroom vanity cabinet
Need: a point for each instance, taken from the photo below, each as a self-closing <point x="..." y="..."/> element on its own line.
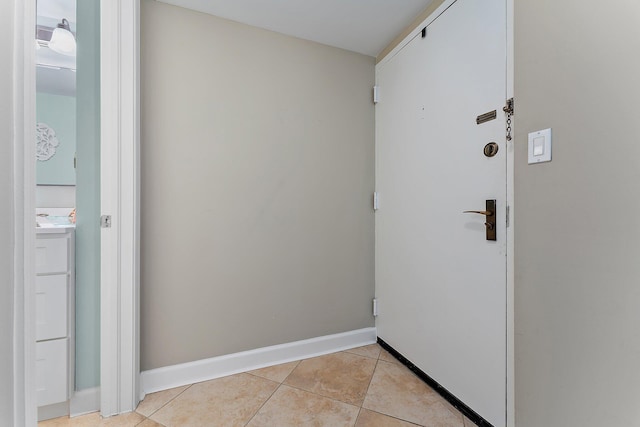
<point x="55" y="320"/>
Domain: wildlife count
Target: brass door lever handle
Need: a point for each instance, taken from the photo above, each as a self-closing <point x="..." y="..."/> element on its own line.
<point x="487" y="213"/>
<point x="490" y="216"/>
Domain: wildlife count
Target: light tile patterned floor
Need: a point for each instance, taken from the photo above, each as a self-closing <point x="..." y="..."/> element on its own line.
<point x="363" y="387"/>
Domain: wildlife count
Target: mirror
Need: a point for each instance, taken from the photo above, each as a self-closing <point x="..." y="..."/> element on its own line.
<point x="55" y="97"/>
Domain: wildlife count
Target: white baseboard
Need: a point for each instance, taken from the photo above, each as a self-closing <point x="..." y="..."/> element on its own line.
<point x="85" y="402"/>
<point x="202" y="370"/>
<point x="53" y="411"/>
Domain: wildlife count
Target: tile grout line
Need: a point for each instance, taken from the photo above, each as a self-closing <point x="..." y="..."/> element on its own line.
<point x="319" y="395"/>
<point x="333" y="398"/>
<point x="297" y="362"/>
<point x="283" y="383"/>
<point x="452" y="409"/>
<point x="444" y="395"/>
<point x="294" y="368"/>
<point x="274" y="392"/>
<point x="153" y="421"/>
<point x="378" y="360"/>
<point x="375" y="368"/>
<point x="440" y="399"/>
<point x="358" y="417"/>
<point x="263" y="403"/>
<point x="166" y="403"/>
<point x="396" y="418"/>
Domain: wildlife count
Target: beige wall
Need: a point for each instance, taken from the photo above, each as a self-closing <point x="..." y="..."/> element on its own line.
<point x="576" y="218"/>
<point x="257" y="175"/>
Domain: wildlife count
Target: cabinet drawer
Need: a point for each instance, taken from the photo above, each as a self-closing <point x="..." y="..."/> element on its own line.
<point x="51" y="255"/>
<point x="51" y="307"/>
<point x="52" y="377"/>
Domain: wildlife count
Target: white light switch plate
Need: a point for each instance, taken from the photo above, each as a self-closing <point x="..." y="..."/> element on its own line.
<point x="540" y="146"/>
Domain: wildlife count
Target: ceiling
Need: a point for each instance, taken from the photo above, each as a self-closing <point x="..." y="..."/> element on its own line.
<point x="54" y="10"/>
<point x="363" y="26"/>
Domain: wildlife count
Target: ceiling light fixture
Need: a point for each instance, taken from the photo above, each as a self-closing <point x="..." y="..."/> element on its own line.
<point x="62" y="39"/>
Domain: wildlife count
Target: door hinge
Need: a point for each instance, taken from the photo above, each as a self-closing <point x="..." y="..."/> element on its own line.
<point x="508" y="211"/>
<point x="105" y="221"/>
<point x="375" y="307"/>
<point x="376" y="94"/>
<point x="376" y="201"/>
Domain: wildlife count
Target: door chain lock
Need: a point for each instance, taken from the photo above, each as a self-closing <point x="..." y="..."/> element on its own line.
<point x="509" y="110"/>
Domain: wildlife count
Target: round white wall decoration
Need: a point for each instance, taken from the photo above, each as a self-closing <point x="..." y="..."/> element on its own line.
<point x="46" y="142"/>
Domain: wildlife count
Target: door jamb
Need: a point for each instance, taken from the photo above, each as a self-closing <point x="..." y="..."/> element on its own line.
<point x="120" y="198"/>
<point x="24" y="125"/>
<point x="511" y="409"/>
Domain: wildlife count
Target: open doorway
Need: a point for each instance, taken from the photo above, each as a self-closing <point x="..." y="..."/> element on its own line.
<point x="115" y="60"/>
<point x="67" y="203"/>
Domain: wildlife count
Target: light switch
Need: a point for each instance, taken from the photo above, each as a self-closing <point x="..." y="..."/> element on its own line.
<point x="540" y="146"/>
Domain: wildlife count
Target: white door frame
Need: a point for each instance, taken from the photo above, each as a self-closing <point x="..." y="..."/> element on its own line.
<point x="120" y="370"/>
<point x="24" y="185"/>
<point x="120" y="198"/>
<point x="511" y="391"/>
<point x="510" y="333"/>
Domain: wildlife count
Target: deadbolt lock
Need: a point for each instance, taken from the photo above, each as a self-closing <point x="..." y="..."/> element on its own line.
<point x="491" y="149"/>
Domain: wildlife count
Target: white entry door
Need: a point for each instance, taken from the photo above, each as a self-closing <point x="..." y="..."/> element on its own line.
<point x="440" y="284"/>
